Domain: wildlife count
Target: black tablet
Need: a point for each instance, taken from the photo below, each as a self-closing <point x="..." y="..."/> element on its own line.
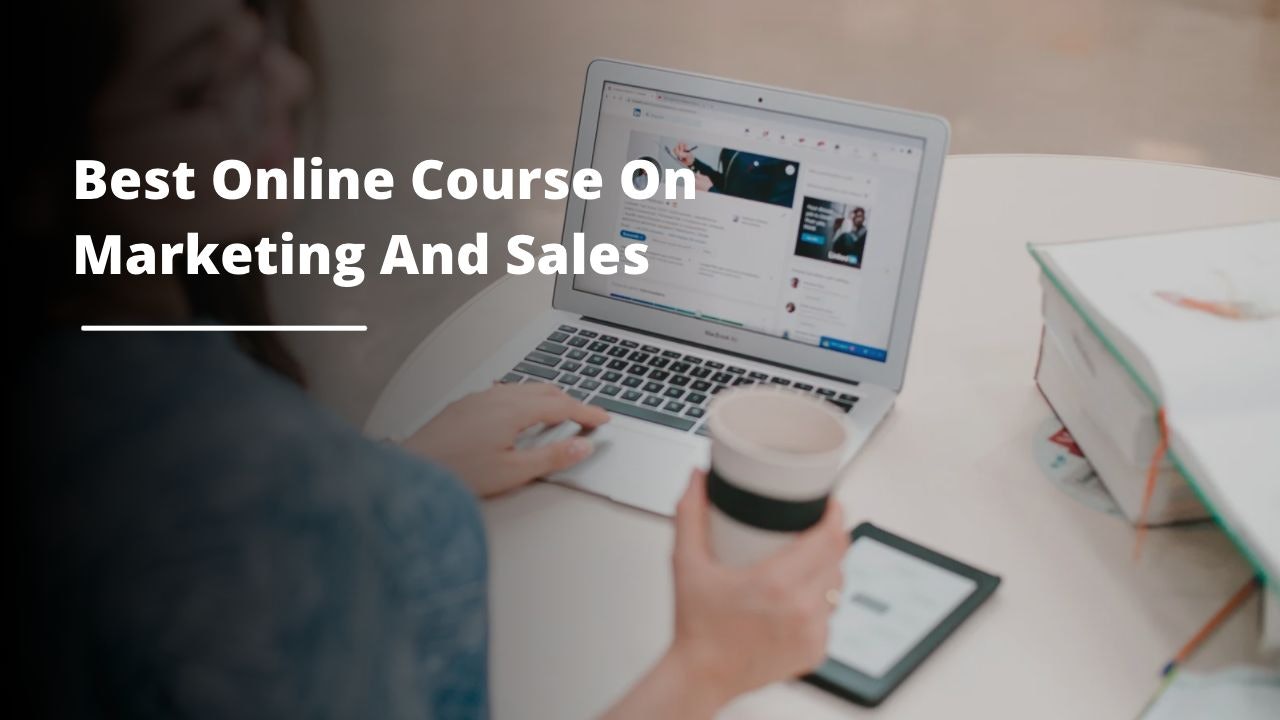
<point x="899" y="602"/>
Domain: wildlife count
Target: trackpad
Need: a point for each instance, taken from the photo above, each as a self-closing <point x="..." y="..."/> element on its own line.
<point x="638" y="464"/>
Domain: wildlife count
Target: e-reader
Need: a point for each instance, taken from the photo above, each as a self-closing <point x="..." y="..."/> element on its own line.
<point x="899" y="602"/>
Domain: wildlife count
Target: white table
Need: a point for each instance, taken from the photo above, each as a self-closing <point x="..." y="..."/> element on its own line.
<point x="581" y="594"/>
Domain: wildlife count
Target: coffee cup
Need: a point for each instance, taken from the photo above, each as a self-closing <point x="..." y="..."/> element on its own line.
<point x="775" y="457"/>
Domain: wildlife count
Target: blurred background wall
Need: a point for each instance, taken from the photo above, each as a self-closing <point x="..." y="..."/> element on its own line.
<point x="492" y="83"/>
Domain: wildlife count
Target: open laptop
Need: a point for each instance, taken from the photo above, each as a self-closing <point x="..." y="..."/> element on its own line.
<point x="797" y="265"/>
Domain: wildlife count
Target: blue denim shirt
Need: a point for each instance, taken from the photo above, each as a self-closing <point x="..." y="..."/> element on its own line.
<point x="212" y="544"/>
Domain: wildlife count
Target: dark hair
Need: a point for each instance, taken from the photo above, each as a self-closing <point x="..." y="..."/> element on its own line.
<point x="68" y="51"/>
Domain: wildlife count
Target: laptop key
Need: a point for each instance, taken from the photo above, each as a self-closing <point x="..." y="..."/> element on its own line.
<point x="577" y="395"/>
<point x="700" y="372"/>
<point x="841" y="404"/>
<point x="848" y="398"/>
<point x="673" y="392"/>
<point x="643" y="413"/>
<point x="568" y="329"/>
<point x="803" y="386"/>
<point x="617" y="352"/>
<point x="653" y="387"/>
<point x="700" y="385"/>
<point x="598" y="347"/>
<point x="597" y="359"/>
<point x="659" y="375"/>
<point x="511" y="378"/>
<point x="577" y="354"/>
<point x="721" y="377"/>
<point x="757" y="376"/>
<point x="692" y="359"/>
<point x="608" y="338"/>
<point x="542" y="358"/>
<point x="590" y="371"/>
<point x="671" y="354"/>
<point x="715" y="365"/>
<point x="630" y="344"/>
<point x="780" y="381"/>
<point x="736" y="370"/>
<point x="545" y="373"/>
<point x="696" y="398"/>
<point x="632" y="395"/>
<point x="558" y="337"/>
<point x="553" y="348"/>
<point x="743" y="381"/>
<point x="610" y="390"/>
<point x="568" y="379"/>
<point x="570" y="365"/>
<point x="638" y="356"/>
<point x="649" y="349"/>
<point x="826" y="392"/>
<point x="659" y="362"/>
<point x="695" y="412"/>
<point x="618" y="365"/>
<point x="717" y="389"/>
<point x="673" y="406"/>
<point x="578" y="341"/>
<point x="637" y="369"/>
<point x="679" y="380"/>
<point x="632" y="381"/>
<point x="652" y="401"/>
<point x="588" y="334"/>
<point x="680" y="367"/>
<point x="611" y="376"/>
<point x="588" y="385"/>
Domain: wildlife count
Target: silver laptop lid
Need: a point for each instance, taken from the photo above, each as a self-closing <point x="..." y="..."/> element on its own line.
<point x="806" y="242"/>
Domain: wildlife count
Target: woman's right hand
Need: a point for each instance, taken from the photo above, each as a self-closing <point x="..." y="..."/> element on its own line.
<point x="740" y="628"/>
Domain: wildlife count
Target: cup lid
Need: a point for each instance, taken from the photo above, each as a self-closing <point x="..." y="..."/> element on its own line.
<point x="778" y="426"/>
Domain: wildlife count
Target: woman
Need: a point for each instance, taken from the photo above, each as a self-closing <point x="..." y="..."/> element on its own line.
<point x="205" y="541"/>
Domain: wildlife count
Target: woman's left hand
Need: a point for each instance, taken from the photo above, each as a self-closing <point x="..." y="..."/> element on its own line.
<point x="475" y="436"/>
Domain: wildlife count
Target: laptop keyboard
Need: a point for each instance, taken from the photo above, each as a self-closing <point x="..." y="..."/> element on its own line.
<point x="644" y="381"/>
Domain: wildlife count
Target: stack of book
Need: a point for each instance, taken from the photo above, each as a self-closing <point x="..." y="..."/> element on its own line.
<point x="1109" y="416"/>
<point x="1161" y="356"/>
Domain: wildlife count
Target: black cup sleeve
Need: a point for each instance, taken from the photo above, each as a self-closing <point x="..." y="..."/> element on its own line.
<point x="762" y="512"/>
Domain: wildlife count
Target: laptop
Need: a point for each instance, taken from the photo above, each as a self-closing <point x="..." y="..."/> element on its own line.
<point x="797" y="265"/>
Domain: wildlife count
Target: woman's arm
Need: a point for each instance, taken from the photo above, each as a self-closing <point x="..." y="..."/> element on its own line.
<point x="738" y="629"/>
<point x="672" y="688"/>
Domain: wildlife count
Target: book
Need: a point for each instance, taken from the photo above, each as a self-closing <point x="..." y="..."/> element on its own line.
<point x="1108" y="418"/>
<point x="1192" y="320"/>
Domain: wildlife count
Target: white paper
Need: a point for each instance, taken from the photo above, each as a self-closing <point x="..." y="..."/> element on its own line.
<point x="1239" y="693"/>
<point x="890" y="602"/>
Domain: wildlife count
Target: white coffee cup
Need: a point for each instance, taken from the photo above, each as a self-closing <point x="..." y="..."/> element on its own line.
<point x="775" y="456"/>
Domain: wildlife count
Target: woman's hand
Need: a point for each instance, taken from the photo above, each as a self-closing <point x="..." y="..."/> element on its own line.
<point x="475" y="436"/>
<point x="739" y="628"/>
<point x="683" y="154"/>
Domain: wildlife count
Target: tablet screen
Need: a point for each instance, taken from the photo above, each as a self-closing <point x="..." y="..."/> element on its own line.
<point x="890" y="602"/>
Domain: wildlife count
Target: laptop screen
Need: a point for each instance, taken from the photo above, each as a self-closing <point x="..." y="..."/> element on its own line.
<point x="798" y="230"/>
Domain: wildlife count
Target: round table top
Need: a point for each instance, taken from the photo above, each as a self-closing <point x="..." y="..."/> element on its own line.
<point x="581" y="590"/>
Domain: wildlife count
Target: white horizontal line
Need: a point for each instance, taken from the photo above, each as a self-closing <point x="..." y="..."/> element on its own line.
<point x="224" y="328"/>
